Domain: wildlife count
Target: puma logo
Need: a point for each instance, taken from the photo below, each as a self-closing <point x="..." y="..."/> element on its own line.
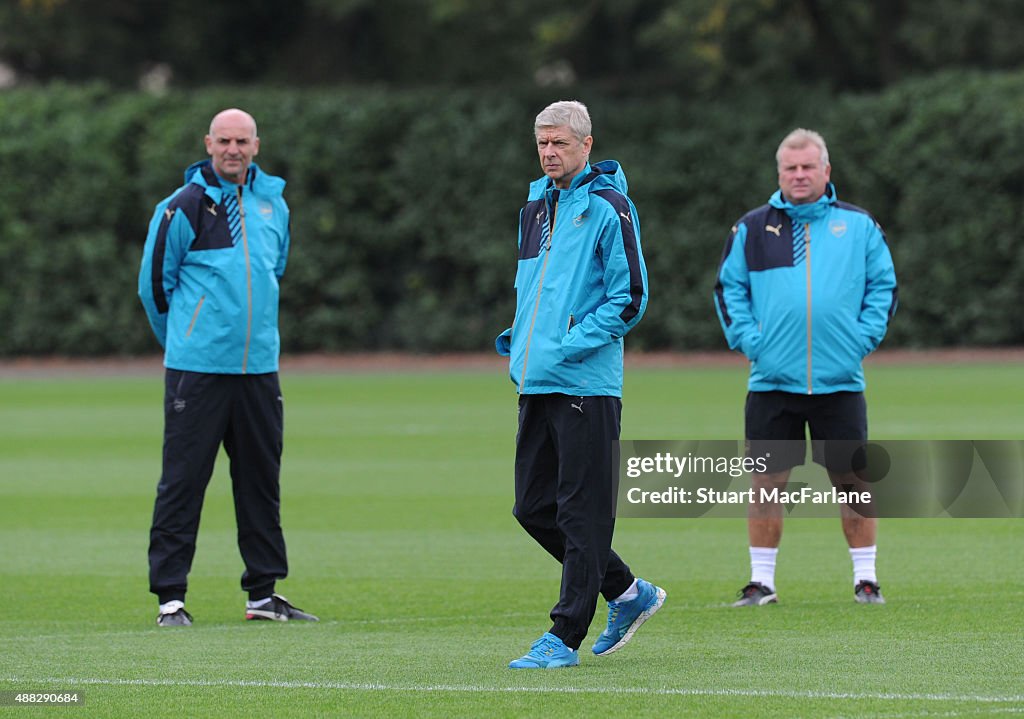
<point x="577" y="407"/>
<point x="777" y="231"/>
<point x="626" y="217"/>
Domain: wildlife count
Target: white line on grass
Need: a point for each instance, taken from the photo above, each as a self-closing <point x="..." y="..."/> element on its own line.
<point x="973" y="711"/>
<point x="477" y="689"/>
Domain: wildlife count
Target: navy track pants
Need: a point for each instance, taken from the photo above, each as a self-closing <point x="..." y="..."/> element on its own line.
<point x="565" y="497"/>
<point x="202" y="411"/>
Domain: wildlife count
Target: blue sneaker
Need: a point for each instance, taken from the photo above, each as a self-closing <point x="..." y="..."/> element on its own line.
<point x="624" y="618"/>
<point x="548" y="652"/>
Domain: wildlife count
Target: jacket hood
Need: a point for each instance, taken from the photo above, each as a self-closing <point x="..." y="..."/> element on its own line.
<point x="604" y="175"/>
<point x="809" y="211"/>
<point x="201" y="173"/>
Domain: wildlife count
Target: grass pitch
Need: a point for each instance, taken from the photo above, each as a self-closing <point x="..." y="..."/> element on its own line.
<point x="397" y="497"/>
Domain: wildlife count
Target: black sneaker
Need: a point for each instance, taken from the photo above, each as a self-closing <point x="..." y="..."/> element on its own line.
<point x="756" y="594"/>
<point x="179" y="618"/>
<point x="278" y="609"/>
<point x="868" y="593"/>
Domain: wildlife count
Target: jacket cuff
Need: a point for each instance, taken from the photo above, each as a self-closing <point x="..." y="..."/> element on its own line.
<point x="751" y="346"/>
<point x="867" y="345"/>
<point x="503" y="343"/>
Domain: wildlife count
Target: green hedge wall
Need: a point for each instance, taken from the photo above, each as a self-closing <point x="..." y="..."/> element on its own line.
<point x="405" y="204"/>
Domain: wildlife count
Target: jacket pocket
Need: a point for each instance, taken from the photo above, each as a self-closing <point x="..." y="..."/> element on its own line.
<point x="751" y="344"/>
<point x="568" y="352"/>
<point x="840" y="351"/>
<point x="195" y="316"/>
<point x="175" y="390"/>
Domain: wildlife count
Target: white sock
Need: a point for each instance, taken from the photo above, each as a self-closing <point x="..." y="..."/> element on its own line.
<point x="256" y="603"/>
<point x="172" y="606"/>
<point x="864" y="564"/>
<point x="762" y="565"/>
<point x="629" y="595"/>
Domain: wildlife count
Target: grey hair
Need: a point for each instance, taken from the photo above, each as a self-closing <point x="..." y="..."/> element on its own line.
<point x="799" y="138"/>
<point x="569" y="113"/>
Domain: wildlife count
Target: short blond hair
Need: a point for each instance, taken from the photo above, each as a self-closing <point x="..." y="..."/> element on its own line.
<point x="802" y="137"/>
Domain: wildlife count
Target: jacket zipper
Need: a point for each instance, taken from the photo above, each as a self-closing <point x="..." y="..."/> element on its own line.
<point x="248" y="281"/>
<point x="807" y="245"/>
<point x="195" y="316"/>
<point x="536" y="305"/>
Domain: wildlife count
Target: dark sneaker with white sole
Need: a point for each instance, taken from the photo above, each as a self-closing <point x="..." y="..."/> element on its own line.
<point x="756" y="594"/>
<point x="178" y="618"/>
<point x="868" y="593"/>
<point x="279" y="609"/>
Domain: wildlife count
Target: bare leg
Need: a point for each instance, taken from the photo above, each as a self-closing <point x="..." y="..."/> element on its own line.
<point x="860" y="531"/>
<point x="764" y="520"/>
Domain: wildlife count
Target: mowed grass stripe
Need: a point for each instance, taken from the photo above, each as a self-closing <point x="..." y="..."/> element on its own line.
<point x="397" y="511"/>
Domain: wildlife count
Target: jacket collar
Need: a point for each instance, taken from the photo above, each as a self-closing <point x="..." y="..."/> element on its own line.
<point x="606" y="174"/>
<point x="809" y="211"/>
<point x="259" y="182"/>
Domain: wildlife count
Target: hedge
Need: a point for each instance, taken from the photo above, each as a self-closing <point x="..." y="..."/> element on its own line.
<point x="405" y="204"/>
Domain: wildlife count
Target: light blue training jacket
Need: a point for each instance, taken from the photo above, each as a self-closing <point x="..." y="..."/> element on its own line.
<point x="581" y="285"/>
<point x="210" y="270"/>
<point x="806" y="292"/>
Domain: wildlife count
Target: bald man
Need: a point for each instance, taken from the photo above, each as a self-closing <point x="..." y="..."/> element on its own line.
<point x="216" y="249"/>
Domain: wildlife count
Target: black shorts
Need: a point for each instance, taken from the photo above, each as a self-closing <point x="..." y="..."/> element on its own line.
<point x="776" y="421"/>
